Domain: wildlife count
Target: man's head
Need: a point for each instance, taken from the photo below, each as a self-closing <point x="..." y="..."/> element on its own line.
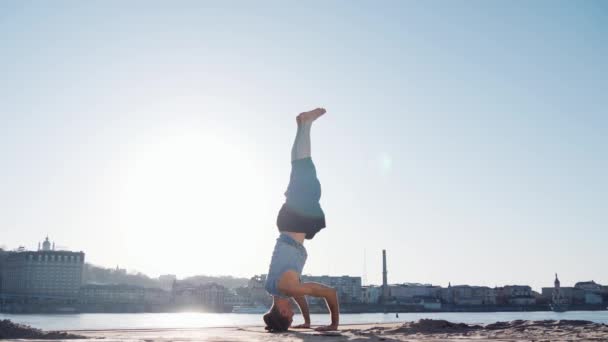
<point x="280" y="316"/>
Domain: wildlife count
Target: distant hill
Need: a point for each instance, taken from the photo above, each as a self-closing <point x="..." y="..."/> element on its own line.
<point x="226" y="281"/>
<point x="100" y="275"/>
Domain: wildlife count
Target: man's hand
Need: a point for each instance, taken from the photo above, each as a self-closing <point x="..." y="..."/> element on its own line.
<point x="297" y="289"/>
<point x="327" y="328"/>
<point x="302" y="326"/>
<point x="290" y="285"/>
<point x="303" y="304"/>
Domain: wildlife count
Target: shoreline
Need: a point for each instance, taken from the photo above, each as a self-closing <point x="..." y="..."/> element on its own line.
<point x="420" y="330"/>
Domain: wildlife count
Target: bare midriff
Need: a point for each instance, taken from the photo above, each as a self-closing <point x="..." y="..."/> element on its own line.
<point x="297" y="236"/>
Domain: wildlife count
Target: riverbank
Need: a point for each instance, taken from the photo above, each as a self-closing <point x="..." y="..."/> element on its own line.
<point x="423" y="330"/>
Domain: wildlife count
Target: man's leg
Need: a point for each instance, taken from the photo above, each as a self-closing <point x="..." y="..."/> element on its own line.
<point x="301" y="145"/>
<point x="302" y="212"/>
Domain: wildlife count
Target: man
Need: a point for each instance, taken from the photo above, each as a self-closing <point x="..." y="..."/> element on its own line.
<point x="300" y="218"/>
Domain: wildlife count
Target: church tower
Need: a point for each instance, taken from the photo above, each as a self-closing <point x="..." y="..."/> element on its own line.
<point x="46" y="245"/>
<point x="557" y="301"/>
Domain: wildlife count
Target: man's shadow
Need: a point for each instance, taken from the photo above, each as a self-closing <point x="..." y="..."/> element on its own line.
<point x="344" y="335"/>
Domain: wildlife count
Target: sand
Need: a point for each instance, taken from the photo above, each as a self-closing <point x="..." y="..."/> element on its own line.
<point x="9" y="329"/>
<point x="423" y="330"/>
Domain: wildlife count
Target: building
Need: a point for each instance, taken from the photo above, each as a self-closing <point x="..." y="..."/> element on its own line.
<point x="236" y="298"/>
<point x="583" y="293"/>
<point x="469" y="295"/>
<point x="423" y="295"/>
<point x="348" y="288"/>
<point x="205" y="297"/>
<point x="590" y="286"/>
<point x="556" y="300"/>
<point x="592" y="292"/>
<point x="166" y="281"/>
<point x="3" y="255"/>
<point x="156" y="297"/>
<point x="568" y="295"/>
<point x="212" y="296"/>
<point x="257" y="292"/>
<point x="185" y="295"/>
<point x="409" y="290"/>
<point x="604" y="292"/>
<point x="111" y="294"/>
<point x="122" y="298"/>
<point x="519" y="295"/>
<point x="370" y="294"/>
<point x="46" y="274"/>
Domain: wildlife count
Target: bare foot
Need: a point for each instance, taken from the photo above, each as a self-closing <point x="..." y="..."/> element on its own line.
<point x="309" y="117"/>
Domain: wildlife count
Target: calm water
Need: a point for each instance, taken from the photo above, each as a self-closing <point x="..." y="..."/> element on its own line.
<point x="199" y="320"/>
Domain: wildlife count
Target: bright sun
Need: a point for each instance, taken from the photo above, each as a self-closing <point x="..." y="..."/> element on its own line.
<point x="181" y="188"/>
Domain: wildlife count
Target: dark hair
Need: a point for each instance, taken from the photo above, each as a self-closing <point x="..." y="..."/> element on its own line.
<point x="275" y="322"/>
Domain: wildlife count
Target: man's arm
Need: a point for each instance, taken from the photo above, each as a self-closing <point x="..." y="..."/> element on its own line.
<point x="316" y="290"/>
<point x="303" y="304"/>
<point x="331" y="300"/>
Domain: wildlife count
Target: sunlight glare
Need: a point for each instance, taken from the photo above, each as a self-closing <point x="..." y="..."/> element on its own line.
<point x="180" y="188"/>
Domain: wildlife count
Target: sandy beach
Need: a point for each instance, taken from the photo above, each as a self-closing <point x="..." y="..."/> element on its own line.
<point x="423" y="330"/>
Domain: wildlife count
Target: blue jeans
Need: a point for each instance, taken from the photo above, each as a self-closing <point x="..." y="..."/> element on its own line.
<point x="302" y="212"/>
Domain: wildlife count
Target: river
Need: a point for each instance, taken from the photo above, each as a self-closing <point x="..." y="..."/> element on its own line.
<point x="201" y="320"/>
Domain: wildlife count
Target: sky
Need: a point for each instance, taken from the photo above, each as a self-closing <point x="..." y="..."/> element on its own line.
<point x="467" y="138"/>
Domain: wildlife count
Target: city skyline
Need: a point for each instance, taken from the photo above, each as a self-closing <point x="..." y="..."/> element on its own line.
<point x="49" y="245"/>
<point x="462" y="139"/>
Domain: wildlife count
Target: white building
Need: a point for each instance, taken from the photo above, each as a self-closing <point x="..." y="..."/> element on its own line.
<point x="469" y="295"/>
<point x="592" y="291"/>
<point x="43" y="274"/>
<point x="409" y="290"/>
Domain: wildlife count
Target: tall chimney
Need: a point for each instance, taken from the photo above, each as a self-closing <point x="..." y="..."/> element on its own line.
<point x="385" y="294"/>
<point x="384" y="275"/>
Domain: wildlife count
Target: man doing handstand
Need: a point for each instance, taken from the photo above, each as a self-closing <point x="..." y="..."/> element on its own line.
<point x="300" y="218"/>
